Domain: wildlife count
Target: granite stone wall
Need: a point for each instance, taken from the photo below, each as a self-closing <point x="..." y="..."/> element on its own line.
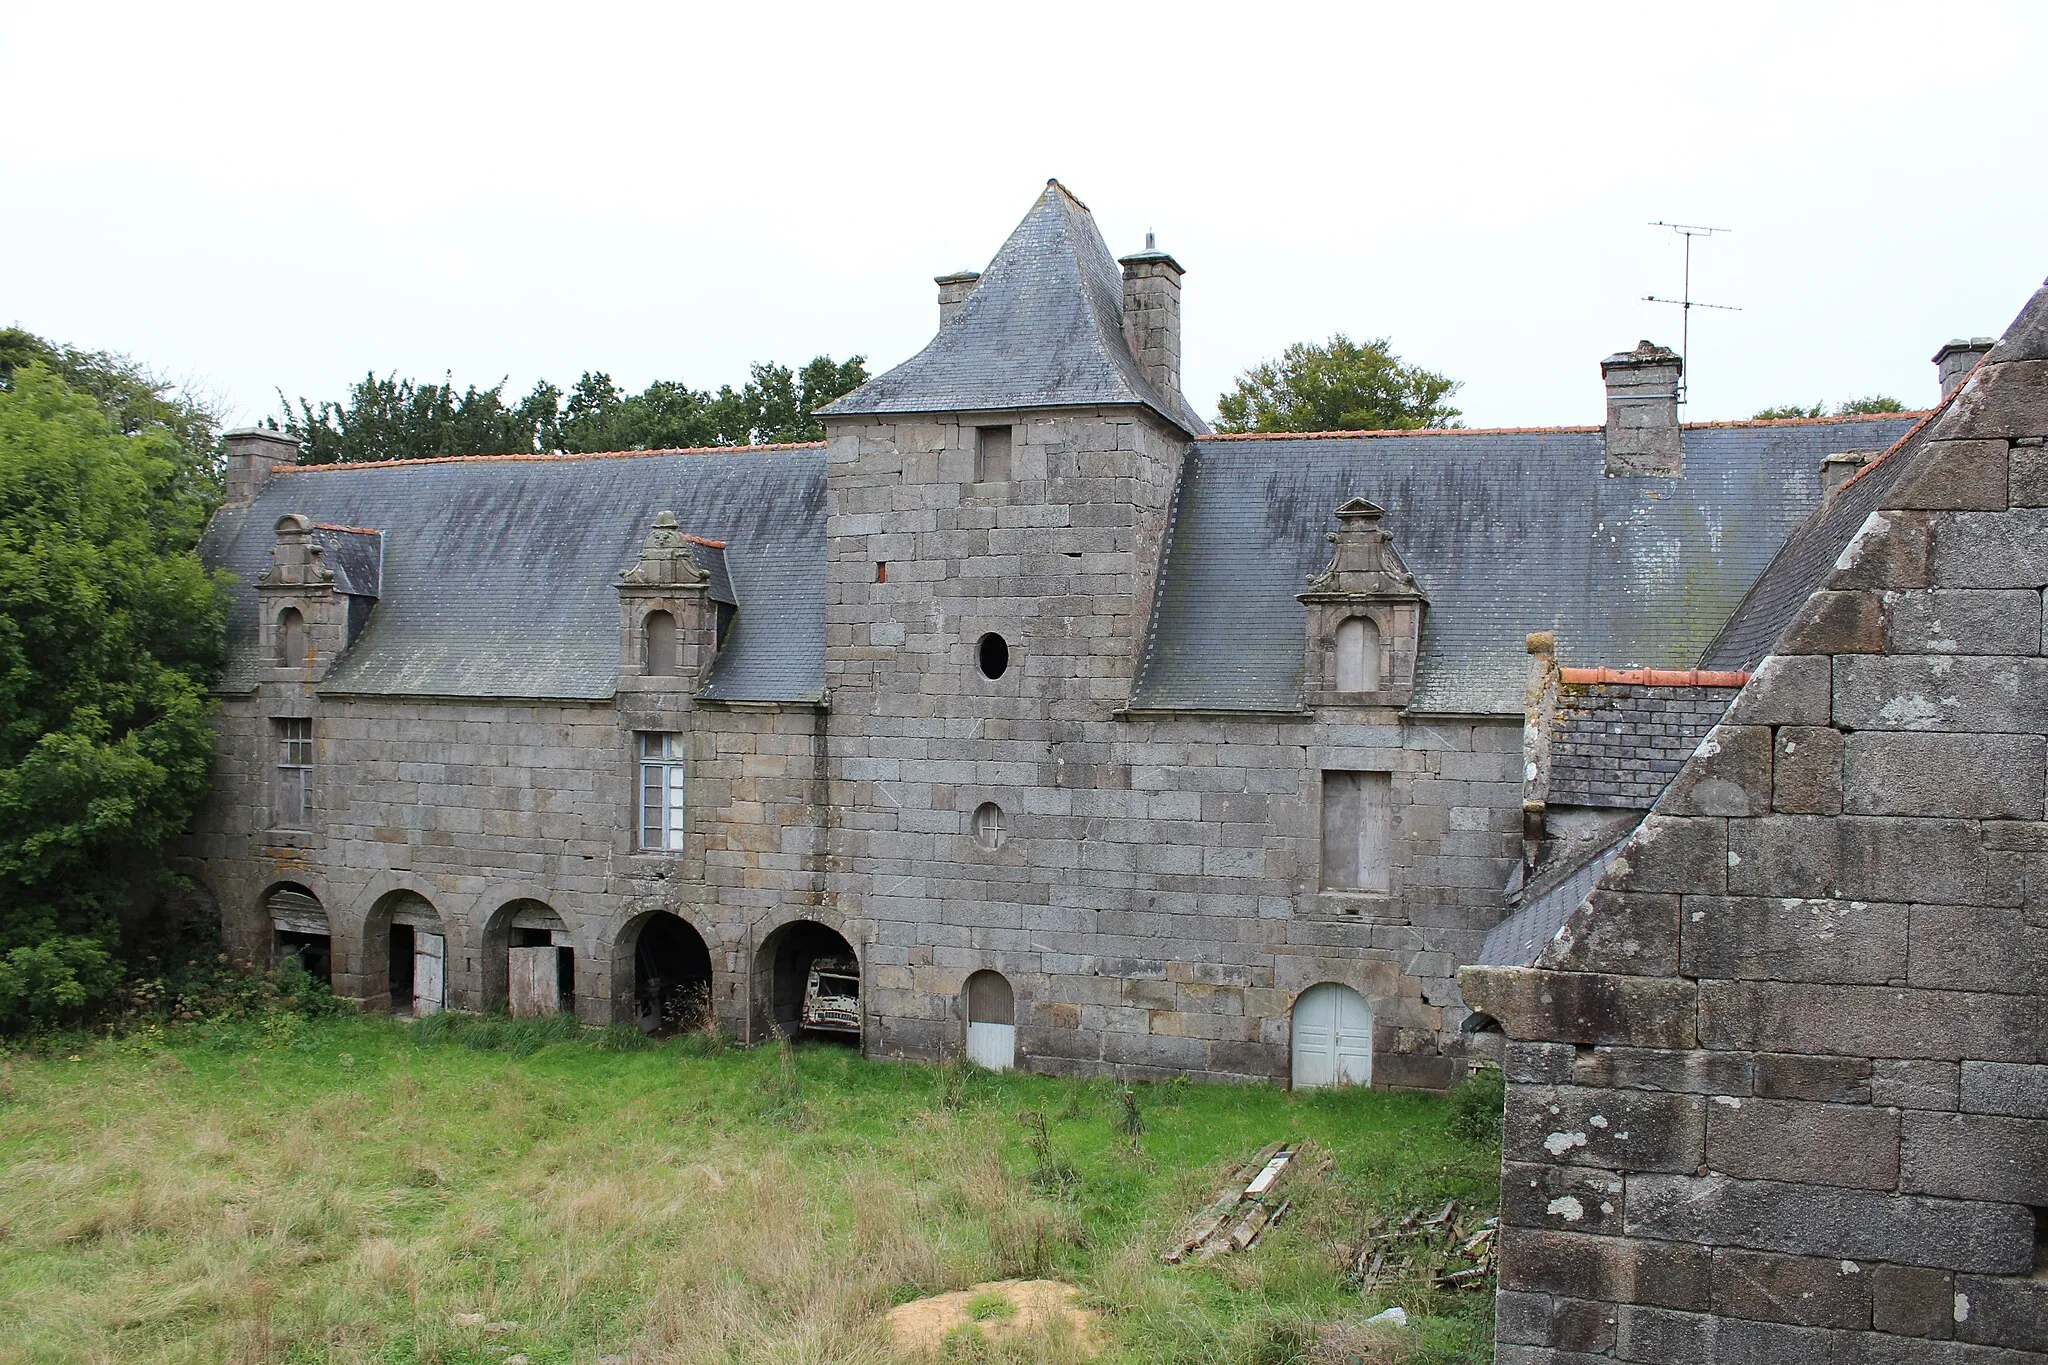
<point x="1779" y="1091"/>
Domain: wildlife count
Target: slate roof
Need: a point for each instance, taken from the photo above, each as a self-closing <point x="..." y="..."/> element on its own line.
<point x="1507" y="532"/>
<point x="1043" y="328"/>
<point x="355" y="555"/>
<point x="498" y="575"/>
<point x="1620" y="744"/>
<point x="1519" y="939"/>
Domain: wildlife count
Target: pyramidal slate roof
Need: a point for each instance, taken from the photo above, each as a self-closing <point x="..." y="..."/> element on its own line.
<point x="499" y="575"/>
<point x="1042" y="329"/>
<point x="1506" y="532"/>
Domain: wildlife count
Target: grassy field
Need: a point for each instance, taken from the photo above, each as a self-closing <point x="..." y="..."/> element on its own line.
<point x="355" y="1190"/>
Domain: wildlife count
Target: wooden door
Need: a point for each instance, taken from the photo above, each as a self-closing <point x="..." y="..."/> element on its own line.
<point x="991" y="1021"/>
<point x="1332" y="1037"/>
<point x="429" y="960"/>
<point x="534" y="985"/>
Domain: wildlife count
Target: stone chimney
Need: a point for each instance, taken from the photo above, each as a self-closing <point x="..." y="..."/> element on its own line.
<point x="1957" y="358"/>
<point x="251" y="452"/>
<point x="953" y="291"/>
<point x="1152" y="315"/>
<point x="1839" y="468"/>
<point x="1642" y="411"/>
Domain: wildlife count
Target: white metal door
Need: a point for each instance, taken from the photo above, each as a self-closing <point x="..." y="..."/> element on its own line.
<point x="1332" y="1037"/>
<point x="534" y="983"/>
<point x="992" y="1045"/>
<point x="429" y="954"/>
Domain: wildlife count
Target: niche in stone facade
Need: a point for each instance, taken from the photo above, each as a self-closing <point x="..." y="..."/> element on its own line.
<point x="1364" y="618"/>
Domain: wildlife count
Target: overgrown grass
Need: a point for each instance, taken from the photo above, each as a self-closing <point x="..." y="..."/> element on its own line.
<point x="283" y="1190"/>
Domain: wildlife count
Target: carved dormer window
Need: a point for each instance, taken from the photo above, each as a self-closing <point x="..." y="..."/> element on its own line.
<point x="674" y="607"/>
<point x="1364" y="611"/>
<point x="658" y="644"/>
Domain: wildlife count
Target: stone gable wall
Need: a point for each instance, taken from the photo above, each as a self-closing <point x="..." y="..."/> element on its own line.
<point x="1779" y="1091"/>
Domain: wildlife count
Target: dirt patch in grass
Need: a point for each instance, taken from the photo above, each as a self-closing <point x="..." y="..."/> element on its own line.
<point x="1001" y="1310"/>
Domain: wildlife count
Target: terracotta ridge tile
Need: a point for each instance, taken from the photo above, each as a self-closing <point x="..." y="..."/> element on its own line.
<point x="1655" y="677"/>
<point x="1557" y="430"/>
<point x="524" y="458"/>
<point x="351" y="530"/>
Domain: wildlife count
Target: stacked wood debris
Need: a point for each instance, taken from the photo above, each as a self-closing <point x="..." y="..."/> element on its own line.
<point x="1449" y="1249"/>
<point x="1252" y="1199"/>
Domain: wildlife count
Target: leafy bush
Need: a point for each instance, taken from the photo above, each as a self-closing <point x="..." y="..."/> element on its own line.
<point x="1478" y="1104"/>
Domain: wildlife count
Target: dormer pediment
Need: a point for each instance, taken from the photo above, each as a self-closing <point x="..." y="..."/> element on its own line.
<point x="1364" y="626"/>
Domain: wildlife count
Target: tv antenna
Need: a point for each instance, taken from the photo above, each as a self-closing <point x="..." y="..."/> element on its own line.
<point x="1685" y="303"/>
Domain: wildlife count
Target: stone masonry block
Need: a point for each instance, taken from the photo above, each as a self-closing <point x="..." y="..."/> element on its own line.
<point x="1899" y="859"/>
<point x="1836" y="623"/>
<point x="1572" y="1325"/>
<point x="1760" y="938"/>
<point x="1963" y="621"/>
<point x="2027" y="477"/>
<point x="1806" y="1291"/>
<point x="1806" y="770"/>
<point x="1812" y="1220"/>
<point x="1617" y="1130"/>
<point x="1859" y="1021"/>
<point x="1916" y="1084"/>
<point x="1670" y="853"/>
<point x="2005" y="1088"/>
<point x="1611" y="1269"/>
<point x="1786" y="690"/>
<point x="1953" y="476"/>
<point x="1583" y="1007"/>
<point x="1889" y="551"/>
<point x="1913" y="1301"/>
<point x="1977" y="695"/>
<point x="1975" y="1156"/>
<point x="2002" y="1312"/>
<point x="2007" y="401"/>
<point x="1561" y="1198"/>
<point x="1729" y="774"/>
<point x="1991" y="549"/>
<point x="1686" y="1071"/>
<point x="1635" y="934"/>
<point x="1791" y="1076"/>
<point x="1781" y="855"/>
<point x="1972" y="777"/>
<point x="1974" y="947"/>
<point x="1818" y="1144"/>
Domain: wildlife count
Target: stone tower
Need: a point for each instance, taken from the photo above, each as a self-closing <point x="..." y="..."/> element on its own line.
<point x="994" y="512"/>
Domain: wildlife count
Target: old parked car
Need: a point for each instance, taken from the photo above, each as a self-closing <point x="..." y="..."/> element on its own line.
<point x="832" y="996"/>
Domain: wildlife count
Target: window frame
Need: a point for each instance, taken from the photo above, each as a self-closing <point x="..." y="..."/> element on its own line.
<point x="661" y="771"/>
<point x="293" y="755"/>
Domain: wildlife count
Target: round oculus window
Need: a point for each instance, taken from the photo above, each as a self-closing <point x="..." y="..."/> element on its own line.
<point x="992" y="655"/>
<point x="988" y="825"/>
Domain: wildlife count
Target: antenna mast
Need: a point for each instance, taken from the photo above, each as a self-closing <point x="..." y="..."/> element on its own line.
<point x="1685" y="302"/>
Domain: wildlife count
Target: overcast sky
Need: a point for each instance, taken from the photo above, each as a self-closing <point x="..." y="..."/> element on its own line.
<point x="285" y="196"/>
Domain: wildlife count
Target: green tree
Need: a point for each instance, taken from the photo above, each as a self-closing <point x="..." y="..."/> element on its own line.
<point x="397" y="419"/>
<point x="110" y="635"/>
<point x="1875" y="405"/>
<point x="1342" y="385"/>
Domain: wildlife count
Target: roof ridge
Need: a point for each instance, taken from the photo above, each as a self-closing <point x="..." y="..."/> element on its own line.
<point x="536" y="458"/>
<point x="1560" y="430"/>
<point x="1654" y="677"/>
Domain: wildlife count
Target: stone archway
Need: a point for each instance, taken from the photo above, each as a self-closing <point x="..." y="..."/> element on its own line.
<point x="529" y="962"/>
<point x="299" y="930"/>
<point x="405" y="954"/>
<point x="662" y="971"/>
<point x="807" y="983"/>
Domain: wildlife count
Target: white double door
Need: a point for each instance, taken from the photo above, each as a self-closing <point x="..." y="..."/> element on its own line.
<point x="1332" y="1037"/>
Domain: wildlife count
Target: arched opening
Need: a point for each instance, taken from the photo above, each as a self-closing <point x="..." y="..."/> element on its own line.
<point x="988" y="826"/>
<point x="813" y="982"/>
<point x="1332" y="1037"/>
<point x="291" y="638"/>
<point x="991" y="1021"/>
<point x="658" y="644"/>
<point x="1358" y="655"/>
<point x="529" y="965"/>
<point x="406" y="946"/>
<point x="992" y="655"/>
<point x="671" y="973"/>
<point x="298" y="930"/>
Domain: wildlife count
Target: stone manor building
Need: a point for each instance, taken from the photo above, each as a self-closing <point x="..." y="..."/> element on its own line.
<point x="1036" y="705"/>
